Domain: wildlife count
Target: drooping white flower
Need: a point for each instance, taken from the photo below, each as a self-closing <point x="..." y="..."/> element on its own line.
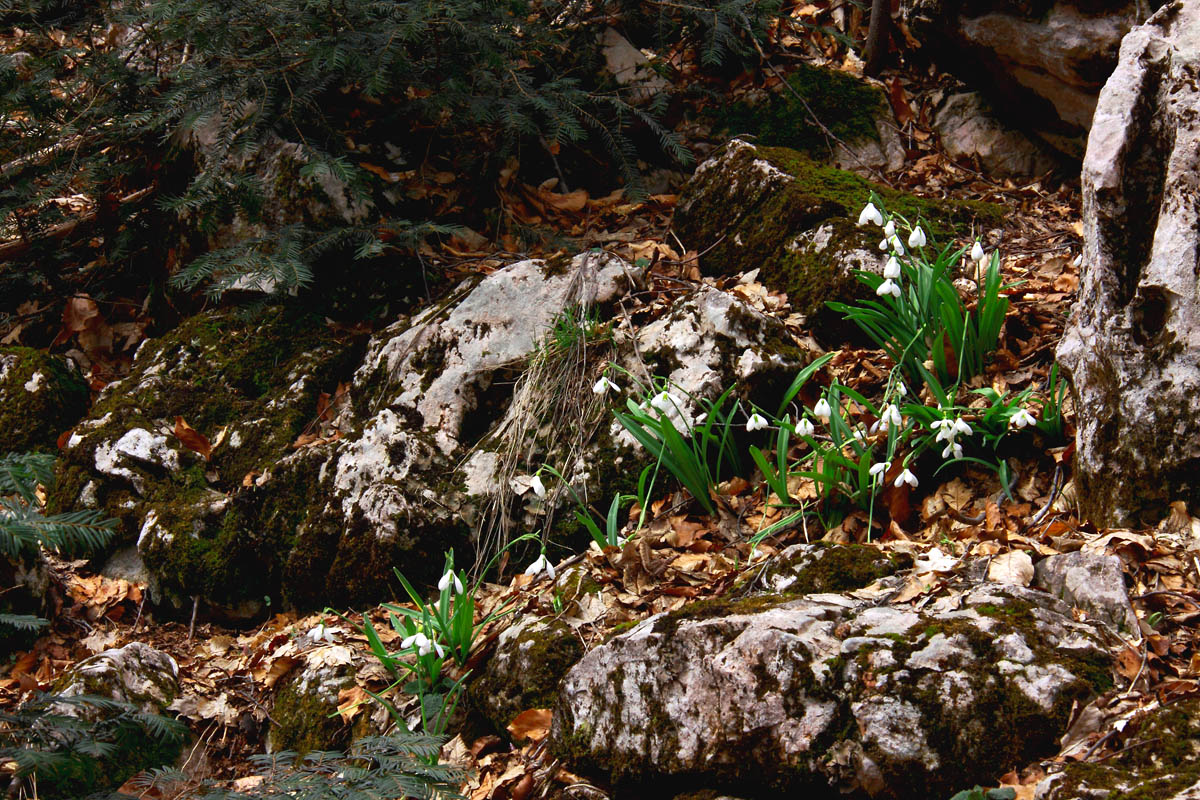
<point x="665" y="402"/>
<point x="883" y="244"/>
<point x="891" y="415"/>
<point x="450" y="579"/>
<point x="906" y="477"/>
<point x="757" y="422"/>
<point x="538" y="487"/>
<point x="953" y="447"/>
<point x="858" y="436"/>
<point x="321" y="633"/>
<point x="891" y="270"/>
<point x="870" y="214"/>
<point x="945" y="434"/>
<point x="889" y="230"/>
<point x="917" y="237"/>
<point x="897" y="245"/>
<point x="604" y="385"/>
<point x="1021" y="419"/>
<point x="805" y="427"/>
<point x="541" y="565"/>
<point x="977" y="251"/>
<point x="941" y="424"/>
<point x="901" y="389"/>
<point x="961" y="426"/>
<point x="822" y="411"/>
<point x="418" y="640"/>
<point x="878" y="470"/>
<point x="889" y="286"/>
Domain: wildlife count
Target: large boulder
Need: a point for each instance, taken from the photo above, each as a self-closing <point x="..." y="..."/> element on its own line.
<point x="775" y="210"/>
<point x="829" y="695"/>
<point x="1042" y="64"/>
<point x="969" y="129"/>
<point x="1133" y="344"/>
<point x="40" y="397"/>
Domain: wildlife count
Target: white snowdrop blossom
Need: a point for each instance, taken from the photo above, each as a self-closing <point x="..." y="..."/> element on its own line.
<point x="897" y="245"/>
<point x="953" y="447"/>
<point x="665" y="402"/>
<point x="878" y="470"/>
<point x="906" y="477"/>
<point x="891" y="415"/>
<point x="961" y="426"/>
<point x="977" y="251"/>
<point x="858" y="436"/>
<point x="889" y="230"/>
<point x="917" y="237"/>
<point x="870" y="214"/>
<point x="883" y="244"/>
<point x="889" y="286"/>
<point x="321" y="633"/>
<point x="604" y="385"/>
<point x="448" y="580"/>
<point x="1021" y="419"/>
<point x="424" y="645"/>
<point x="541" y="565"/>
<point x="891" y="270"/>
<point x="822" y="411"/>
<point x="756" y="423"/>
<point x="805" y="427"/>
<point x="901" y="389"/>
<point x="538" y="487"/>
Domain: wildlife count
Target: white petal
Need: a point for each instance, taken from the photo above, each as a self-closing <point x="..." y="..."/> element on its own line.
<point x="896" y="245"/>
<point x="805" y="428"/>
<point x="883" y="244"/>
<point x="538" y="487"/>
<point x="917" y="237"/>
<point x="889" y="230"/>
<point x="977" y="251"/>
<point x="822" y="411"/>
<point x="445" y="581"/>
<point x="870" y="214"/>
<point x="891" y="270"/>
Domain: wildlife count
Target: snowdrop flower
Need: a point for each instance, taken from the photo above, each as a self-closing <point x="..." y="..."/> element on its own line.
<point x="953" y="447"/>
<point x="805" y="427"/>
<point x="858" y="436"/>
<point x="961" y="426"/>
<point x="822" y="411"/>
<point x="891" y="415"/>
<point x="891" y="270"/>
<point x="889" y="230"/>
<point x="897" y="245"/>
<point x="1021" y="419"/>
<point x="870" y="214"/>
<point x="604" y="385"/>
<point x="665" y="402"/>
<point x="538" y="487"/>
<point x="419" y="641"/>
<point x="447" y="580"/>
<point x="946" y="434"/>
<point x="874" y="429"/>
<point x="538" y="567"/>
<point x="917" y="237"/>
<point x="901" y="389"/>
<point x="906" y="477"/>
<point x="883" y="244"/>
<point x="756" y="423"/>
<point x="977" y="251"/>
<point x="321" y="633"/>
<point x="941" y="424"/>
<point x="877" y="470"/>
<point x="889" y="286"/>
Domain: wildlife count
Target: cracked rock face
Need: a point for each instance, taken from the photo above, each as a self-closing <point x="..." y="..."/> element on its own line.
<point x="136" y="673"/>
<point x="1133" y="344"/>
<point x="830" y="694"/>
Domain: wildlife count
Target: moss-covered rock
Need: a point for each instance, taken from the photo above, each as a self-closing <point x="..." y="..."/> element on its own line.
<point x="1157" y="758"/>
<point x="830" y="694"/>
<point x="530" y="661"/>
<point x="824" y="567"/>
<point x="775" y="210"/>
<point x="304" y="713"/>
<point x="854" y="110"/>
<point x="137" y="675"/>
<point x="40" y="397"/>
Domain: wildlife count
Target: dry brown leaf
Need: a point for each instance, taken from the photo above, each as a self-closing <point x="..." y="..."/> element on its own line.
<point x="533" y="723"/>
<point x="192" y="439"/>
<point x="350" y="702"/>
<point x="1014" y="567"/>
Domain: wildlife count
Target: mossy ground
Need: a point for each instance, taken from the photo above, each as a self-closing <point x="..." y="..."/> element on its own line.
<point x="303" y="721"/>
<point x="846" y="105"/>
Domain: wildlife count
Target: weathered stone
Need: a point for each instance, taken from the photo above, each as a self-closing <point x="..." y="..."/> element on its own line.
<point x="830" y="695"/>
<point x="1133" y="343"/>
<point x="137" y="674"/>
<point x="1093" y="583"/>
<point x="969" y="130"/>
<point x="774" y="210"/>
<point x="822" y="567"/>
<point x="40" y="397"/>
<point x="1156" y="753"/>
<point x="304" y="711"/>
<point x="531" y="658"/>
<point x="1041" y="64"/>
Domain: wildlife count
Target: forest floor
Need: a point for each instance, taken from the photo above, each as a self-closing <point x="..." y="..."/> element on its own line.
<point x="685" y="556"/>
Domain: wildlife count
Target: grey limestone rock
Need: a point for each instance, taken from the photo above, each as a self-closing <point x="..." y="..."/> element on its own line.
<point x="1133" y="343"/>
<point x="830" y="694"/>
<point x="1091" y="582"/>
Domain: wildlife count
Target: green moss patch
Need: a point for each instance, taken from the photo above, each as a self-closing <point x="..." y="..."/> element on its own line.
<point x="846" y="105"/>
<point x="40" y="397"/>
<point x="526" y="673"/>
